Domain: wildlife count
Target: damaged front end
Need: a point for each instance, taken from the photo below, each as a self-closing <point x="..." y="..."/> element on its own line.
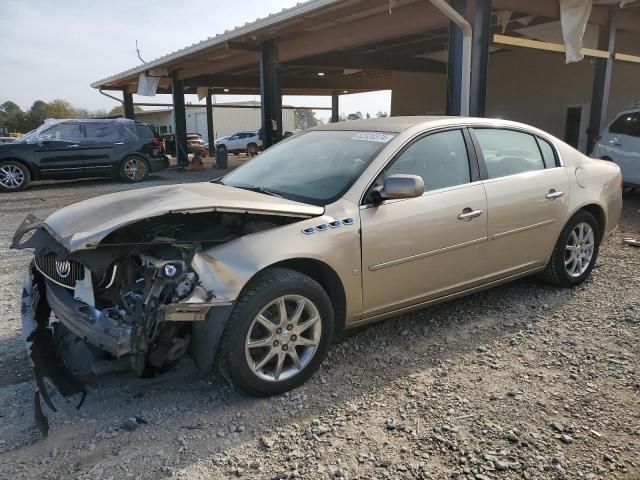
<point x="136" y="302"/>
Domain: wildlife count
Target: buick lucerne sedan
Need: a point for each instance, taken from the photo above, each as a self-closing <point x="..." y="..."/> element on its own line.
<point x="336" y="227"/>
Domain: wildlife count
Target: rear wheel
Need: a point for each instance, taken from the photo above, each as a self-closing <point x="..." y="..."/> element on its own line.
<point x="278" y="333"/>
<point x="576" y="251"/>
<point x="134" y="169"/>
<point x="14" y="176"/>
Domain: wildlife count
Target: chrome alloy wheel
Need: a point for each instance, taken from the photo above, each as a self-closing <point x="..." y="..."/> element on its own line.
<point x="579" y="250"/>
<point x="283" y="338"/>
<point x="134" y="168"/>
<point x="11" y="176"/>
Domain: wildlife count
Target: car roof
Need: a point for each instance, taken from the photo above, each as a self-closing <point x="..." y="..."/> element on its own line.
<point x="400" y="124"/>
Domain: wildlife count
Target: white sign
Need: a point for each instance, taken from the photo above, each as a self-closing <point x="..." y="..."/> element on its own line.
<point x="373" y="137"/>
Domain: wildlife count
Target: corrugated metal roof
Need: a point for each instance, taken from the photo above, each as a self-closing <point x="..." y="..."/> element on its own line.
<point x="229" y="35"/>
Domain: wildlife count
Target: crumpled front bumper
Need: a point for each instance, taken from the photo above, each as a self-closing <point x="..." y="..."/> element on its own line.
<point x="48" y="368"/>
<point x="89" y="323"/>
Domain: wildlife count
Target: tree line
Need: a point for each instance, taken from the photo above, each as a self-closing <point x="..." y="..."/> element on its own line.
<point x="17" y="120"/>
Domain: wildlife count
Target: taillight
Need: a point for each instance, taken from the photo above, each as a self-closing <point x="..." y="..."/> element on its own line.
<point x="156" y="141"/>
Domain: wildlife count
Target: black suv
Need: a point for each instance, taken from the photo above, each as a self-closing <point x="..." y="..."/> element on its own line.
<point x="64" y="149"/>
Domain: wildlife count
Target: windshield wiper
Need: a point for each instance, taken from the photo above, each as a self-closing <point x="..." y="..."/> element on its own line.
<point x="256" y="188"/>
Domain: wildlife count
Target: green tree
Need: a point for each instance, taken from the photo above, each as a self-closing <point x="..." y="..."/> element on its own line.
<point x="60" y="109"/>
<point x="119" y="110"/>
<point x="355" y="116"/>
<point x="382" y="114"/>
<point x="12" y="116"/>
<point x="305" y="118"/>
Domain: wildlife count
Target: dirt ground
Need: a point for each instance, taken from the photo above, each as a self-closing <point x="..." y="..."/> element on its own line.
<point x="521" y="381"/>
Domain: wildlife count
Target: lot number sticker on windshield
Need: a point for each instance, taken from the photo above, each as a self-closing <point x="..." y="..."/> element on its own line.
<point x="373" y="137"/>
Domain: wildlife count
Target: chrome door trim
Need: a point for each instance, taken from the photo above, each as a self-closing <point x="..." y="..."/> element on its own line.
<point x="449" y="296"/>
<point x="522" y="229"/>
<point x="523" y="174"/>
<point x="391" y="263"/>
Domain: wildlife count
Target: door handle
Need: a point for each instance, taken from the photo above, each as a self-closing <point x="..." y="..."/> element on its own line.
<point x="552" y="195"/>
<point x="74" y="145"/>
<point x="469" y="214"/>
<point x="118" y="143"/>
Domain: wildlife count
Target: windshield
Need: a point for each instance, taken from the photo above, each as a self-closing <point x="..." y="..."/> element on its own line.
<point x="316" y="167"/>
<point x="28" y="137"/>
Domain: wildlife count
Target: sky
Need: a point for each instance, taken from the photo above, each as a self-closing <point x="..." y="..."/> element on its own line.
<point x="56" y="49"/>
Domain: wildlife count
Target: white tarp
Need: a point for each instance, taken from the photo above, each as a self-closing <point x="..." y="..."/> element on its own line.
<point x="574" y="15"/>
<point x="147" y="86"/>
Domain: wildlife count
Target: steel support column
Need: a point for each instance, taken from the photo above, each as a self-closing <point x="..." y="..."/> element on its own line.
<point x="454" y="63"/>
<point x="127" y="105"/>
<point x="602" y="81"/>
<point x="480" y="58"/>
<point x="335" y="108"/>
<point x="180" y="122"/>
<point x="271" y="94"/>
<point x="210" y="134"/>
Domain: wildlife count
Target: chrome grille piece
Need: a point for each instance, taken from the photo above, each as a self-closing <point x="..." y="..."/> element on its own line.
<point x="63" y="272"/>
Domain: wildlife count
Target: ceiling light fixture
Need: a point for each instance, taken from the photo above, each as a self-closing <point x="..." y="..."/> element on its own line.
<point x="321" y="74"/>
<point x="226" y="90"/>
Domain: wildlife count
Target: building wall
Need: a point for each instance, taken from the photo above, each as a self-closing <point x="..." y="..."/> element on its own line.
<point x="226" y="121"/>
<point x="529" y="86"/>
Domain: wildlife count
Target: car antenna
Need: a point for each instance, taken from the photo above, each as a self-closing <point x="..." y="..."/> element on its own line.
<point x="138" y="50"/>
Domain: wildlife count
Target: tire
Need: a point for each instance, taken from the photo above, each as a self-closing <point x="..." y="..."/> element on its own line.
<point x="564" y="272"/>
<point x="134" y="169"/>
<point x="14" y="176"/>
<point x="272" y="340"/>
<point x="221" y="148"/>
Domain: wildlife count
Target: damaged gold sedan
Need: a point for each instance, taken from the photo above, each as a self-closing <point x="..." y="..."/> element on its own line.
<point x="339" y="226"/>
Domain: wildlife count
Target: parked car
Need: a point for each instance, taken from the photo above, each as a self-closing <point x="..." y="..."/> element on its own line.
<point x="619" y="142"/>
<point x="64" y="149"/>
<point x="336" y="227"/>
<point x="242" y="142"/>
<point x="195" y="143"/>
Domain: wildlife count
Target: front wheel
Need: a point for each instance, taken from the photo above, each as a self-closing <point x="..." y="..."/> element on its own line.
<point x="278" y="333"/>
<point x="134" y="169"/>
<point x="576" y="251"/>
<point x="14" y="176"/>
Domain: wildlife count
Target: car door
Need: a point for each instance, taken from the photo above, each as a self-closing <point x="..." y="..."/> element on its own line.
<point x="418" y="249"/>
<point x="58" y="151"/>
<point x="233" y="142"/>
<point x="527" y="195"/>
<point x="103" y="147"/>
<point x="623" y="146"/>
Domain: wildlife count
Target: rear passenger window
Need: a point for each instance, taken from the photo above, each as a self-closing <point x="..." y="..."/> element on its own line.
<point x="507" y="152"/>
<point x="100" y="132"/>
<point x="627" y="124"/>
<point x="547" y="154"/>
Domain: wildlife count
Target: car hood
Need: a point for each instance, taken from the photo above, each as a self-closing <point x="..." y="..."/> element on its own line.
<point x="83" y="225"/>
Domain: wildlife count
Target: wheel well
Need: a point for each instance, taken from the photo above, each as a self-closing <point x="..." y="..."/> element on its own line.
<point x="327" y="278"/>
<point x="137" y="155"/>
<point x="32" y="172"/>
<point x="598" y="212"/>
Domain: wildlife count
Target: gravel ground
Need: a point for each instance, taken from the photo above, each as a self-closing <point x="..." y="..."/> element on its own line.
<point x="521" y="381"/>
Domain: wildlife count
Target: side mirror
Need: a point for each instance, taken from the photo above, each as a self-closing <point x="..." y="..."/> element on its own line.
<point x="402" y="186"/>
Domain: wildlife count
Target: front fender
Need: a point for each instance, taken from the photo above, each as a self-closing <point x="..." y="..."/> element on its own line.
<point x="226" y="269"/>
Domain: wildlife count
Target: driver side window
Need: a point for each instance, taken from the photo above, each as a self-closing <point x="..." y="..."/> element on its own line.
<point x="440" y="159"/>
<point x="63" y="132"/>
